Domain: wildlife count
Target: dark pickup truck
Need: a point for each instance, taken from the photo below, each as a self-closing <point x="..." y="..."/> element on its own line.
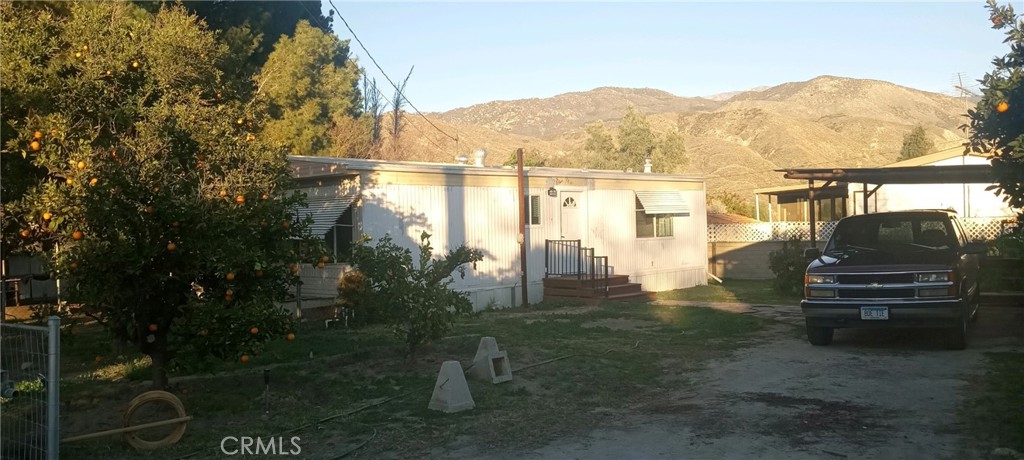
<point x="893" y="269"/>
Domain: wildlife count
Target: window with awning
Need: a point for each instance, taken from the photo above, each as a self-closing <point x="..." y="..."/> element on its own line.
<point x="663" y="202"/>
<point x="655" y="210"/>
<point x="326" y="205"/>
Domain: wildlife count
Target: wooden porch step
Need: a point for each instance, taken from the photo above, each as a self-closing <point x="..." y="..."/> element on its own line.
<point x="627" y="288"/>
<point x="573" y="282"/>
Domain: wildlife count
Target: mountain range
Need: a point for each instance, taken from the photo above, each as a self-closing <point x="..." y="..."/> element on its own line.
<point x="735" y="140"/>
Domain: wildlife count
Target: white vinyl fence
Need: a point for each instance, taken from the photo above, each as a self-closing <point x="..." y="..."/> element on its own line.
<point x="977" y="228"/>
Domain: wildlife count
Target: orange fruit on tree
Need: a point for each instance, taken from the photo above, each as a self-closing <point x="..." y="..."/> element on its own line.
<point x="53" y="132"/>
<point x="99" y="359"/>
<point x="47" y="216"/>
<point x="69" y="181"/>
<point x="230" y="276"/>
<point x="81" y="165"/>
<point x="74" y="265"/>
<point x="229" y="293"/>
<point x="240" y="199"/>
<point x="241" y="120"/>
<point x="291" y="336"/>
<point x="259" y="273"/>
<point x="171" y="247"/>
<point x="78" y="54"/>
<point x="85" y="47"/>
<point x="1002" y="107"/>
<point x="202" y="332"/>
<point x="25" y="233"/>
<point x="109" y="73"/>
<point x="149" y="210"/>
<point x="250" y="137"/>
<point x="77" y="235"/>
<point x="223" y="193"/>
<point x="153" y="327"/>
<point x="255" y="330"/>
<point x="93" y="181"/>
<point x="244" y="359"/>
<point x="34" y="145"/>
<point x="295" y="268"/>
<point x="320" y="265"/>
<point x="37" y="135"/>
<point x="284" y="223"/>
<point x="265" y="197"/>
<point x="135" y="64"/>
<point x="325" y="259"/>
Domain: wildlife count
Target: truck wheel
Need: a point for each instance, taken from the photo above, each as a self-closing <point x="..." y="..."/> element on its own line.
<point x="819" y="335"/>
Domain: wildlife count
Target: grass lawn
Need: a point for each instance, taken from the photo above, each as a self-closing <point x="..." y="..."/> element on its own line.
<point x="622" y="354"/>
<point x="743" y="291"/>
<point x="992" y="413"/>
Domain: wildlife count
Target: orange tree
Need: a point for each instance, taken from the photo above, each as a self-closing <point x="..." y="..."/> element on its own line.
<point x="997" y="123"/>
<point x="153" y="201"/>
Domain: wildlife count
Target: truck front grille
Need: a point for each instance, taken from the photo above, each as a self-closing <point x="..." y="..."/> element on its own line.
<point x="875" y="293"/>
<point x="880" y="278"/>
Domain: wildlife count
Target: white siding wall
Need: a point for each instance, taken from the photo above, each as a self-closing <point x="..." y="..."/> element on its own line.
<point x="659" y="264"/>
<point x="978" y="201"/>
<point x="481" y="217"/>
<point x="487" y="218"/>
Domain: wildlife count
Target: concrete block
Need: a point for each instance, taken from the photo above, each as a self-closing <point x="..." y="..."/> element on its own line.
<point x="489" y="364"/>
<point x="451" y="392"/>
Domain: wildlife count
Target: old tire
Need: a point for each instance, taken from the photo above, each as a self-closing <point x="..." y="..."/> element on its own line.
<point x="160" y="398"/>
<point x="819" y="335"/>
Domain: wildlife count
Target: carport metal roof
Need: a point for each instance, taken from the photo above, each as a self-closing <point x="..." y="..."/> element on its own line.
<point x="950" y="174"/>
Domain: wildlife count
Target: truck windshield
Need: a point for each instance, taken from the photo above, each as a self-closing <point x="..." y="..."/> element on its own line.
<point x="892" y="233"/>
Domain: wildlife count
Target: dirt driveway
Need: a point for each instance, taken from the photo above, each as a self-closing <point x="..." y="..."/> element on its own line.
<point x="871" y="395"/>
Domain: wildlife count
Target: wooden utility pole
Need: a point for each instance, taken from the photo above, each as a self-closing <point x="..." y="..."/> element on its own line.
<point x="522" y="225"/>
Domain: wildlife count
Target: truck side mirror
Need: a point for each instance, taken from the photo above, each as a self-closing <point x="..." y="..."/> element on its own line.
<point x="811" y="253"/>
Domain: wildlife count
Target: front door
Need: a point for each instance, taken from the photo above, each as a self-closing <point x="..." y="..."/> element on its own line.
<point x="571" y="215"/>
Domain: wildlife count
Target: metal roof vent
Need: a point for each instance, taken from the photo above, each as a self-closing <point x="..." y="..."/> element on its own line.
<point x="461" y="159"/>
<point x="478" y="157"/>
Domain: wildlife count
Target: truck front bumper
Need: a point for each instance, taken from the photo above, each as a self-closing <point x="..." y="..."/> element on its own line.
<point x="902" y="313"/>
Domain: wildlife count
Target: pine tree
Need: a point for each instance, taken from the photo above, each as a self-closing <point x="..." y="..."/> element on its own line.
<point x="915" y="144"/>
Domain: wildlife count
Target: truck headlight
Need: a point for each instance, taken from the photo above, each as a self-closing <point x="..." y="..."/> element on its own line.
<point x="933" y="277"/>
<point x="819" y="279"/>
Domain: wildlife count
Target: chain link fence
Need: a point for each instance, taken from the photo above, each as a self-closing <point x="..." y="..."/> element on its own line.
<point x="30" y="391"/>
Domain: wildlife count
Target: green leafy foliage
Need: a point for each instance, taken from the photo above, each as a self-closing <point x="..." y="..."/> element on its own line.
<point x="997" y="122"/>
<point x="311" y="86"/>
<point x="159" y="209"/>
<point x="635" y="142"/>
<point x="416" y="300"/>
<point x="730" y="202"/>
<point x="915" y="144"/>
<point x="789" y="265"/>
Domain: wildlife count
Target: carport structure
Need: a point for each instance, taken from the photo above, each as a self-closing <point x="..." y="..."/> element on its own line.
<point x="877" y="177"/>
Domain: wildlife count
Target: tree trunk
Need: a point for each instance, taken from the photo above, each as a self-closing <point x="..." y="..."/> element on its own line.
<point x="159" y="358"/>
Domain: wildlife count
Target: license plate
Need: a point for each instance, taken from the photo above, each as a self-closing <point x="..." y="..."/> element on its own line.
<point x="874" y="313"/>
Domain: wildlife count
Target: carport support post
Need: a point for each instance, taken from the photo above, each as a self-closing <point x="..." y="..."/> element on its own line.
<point x="865" y="198"/>
<point x="810" y="206"/>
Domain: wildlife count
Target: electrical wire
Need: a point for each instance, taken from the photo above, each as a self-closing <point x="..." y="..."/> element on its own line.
<point x="372" y="59"/>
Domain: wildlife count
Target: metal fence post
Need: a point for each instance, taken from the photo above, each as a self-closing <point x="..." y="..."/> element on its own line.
<point x="53" y="390"/>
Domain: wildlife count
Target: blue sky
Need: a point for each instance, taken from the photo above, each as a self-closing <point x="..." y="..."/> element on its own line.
<point x="468" y="53"/>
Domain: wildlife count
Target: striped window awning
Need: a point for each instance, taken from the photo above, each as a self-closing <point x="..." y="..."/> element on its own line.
<point x="663" y="202"/>
<point x="326" y="205"/>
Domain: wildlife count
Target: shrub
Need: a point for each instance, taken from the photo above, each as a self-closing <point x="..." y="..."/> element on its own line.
<point x="415" y="300"/>
<point x="789" y="266"/>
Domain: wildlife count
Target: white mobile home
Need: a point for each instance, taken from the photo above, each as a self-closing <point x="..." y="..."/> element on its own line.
<point x="650" y="227"/>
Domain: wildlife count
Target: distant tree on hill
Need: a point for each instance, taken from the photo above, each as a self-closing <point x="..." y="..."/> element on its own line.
<point x="915" y="144"/>
<point x="531" y="157"/>
<point x="730" y="202"/>
<point x="636" y="141"/>
<point x="997" y="122"/>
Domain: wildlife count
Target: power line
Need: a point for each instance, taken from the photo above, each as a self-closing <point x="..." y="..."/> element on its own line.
<point x="361" y="45"/>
